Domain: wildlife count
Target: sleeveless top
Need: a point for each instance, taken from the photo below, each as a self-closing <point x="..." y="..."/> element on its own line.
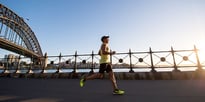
<point x="105" y="58"/>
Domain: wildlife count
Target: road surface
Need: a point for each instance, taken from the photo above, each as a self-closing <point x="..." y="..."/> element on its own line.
<point x="68" y="90"/>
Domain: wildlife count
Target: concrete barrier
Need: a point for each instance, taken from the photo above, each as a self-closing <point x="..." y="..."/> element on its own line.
<point x="119" y="76"/>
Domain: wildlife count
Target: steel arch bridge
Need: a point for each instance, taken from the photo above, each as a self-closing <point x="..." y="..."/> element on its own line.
<point x="16" y="35"/>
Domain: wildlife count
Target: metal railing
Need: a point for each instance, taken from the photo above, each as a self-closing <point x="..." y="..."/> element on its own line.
<point x="152" y="61"/>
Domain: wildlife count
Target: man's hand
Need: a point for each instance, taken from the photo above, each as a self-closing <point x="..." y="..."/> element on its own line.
<point x="113" y="52"/>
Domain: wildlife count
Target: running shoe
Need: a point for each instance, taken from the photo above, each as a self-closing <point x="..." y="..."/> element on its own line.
<point x="82" y="82"/>
<point x="118" y="92"/>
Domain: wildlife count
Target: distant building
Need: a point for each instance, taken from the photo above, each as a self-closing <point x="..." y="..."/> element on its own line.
<point x="11" y="58"/>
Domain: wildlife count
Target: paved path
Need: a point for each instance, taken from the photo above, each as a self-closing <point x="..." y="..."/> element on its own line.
<point x="68" y="90"/>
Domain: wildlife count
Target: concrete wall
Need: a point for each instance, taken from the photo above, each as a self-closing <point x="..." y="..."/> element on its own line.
<point x="120" y="76"/>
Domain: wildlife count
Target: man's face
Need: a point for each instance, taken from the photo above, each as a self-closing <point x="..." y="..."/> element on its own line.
<point x="106" y="40"/>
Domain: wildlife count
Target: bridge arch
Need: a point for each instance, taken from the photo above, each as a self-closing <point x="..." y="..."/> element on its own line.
<point x="16" y="35"/>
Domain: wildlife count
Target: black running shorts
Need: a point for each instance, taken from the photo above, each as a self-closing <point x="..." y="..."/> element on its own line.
<point x="105" y="67"/>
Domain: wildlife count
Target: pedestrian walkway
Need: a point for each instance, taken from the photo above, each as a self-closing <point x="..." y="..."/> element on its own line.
<point x="68" y="90"/>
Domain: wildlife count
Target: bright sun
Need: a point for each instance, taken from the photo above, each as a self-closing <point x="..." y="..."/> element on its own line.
<point x="201" y="47"/>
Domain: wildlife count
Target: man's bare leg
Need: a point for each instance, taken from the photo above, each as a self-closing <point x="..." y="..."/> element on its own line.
<point x="113" y="80"/>
<point x="116" y="90"/>
<point x="91" y="77"/>
<point x="94" y="76"/>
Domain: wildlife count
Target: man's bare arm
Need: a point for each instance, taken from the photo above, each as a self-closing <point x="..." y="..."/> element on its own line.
<point x="103" y="48"/>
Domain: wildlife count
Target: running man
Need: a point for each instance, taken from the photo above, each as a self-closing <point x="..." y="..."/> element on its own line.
<point x="105" y="65"/>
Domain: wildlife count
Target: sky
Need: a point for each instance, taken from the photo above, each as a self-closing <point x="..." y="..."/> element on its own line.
<point x="66" y="26"/>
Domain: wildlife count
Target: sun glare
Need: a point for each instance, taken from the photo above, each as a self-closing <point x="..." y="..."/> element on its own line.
<point x="201" y="47"/>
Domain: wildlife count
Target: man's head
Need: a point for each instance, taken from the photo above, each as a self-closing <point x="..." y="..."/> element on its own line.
<point x="105" y="39"/>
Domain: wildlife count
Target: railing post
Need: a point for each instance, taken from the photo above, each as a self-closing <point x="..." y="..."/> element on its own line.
<point x="4" y="66"/>
<point x="130" y="55"/>
<point x="91" y="72"/>
<point x="197" y="59"/>
<point x="31" y="65"/>
<point x="110" y="57"/>
<point x="152" y="63"/>
<point x="75" y="63"/>
<point x="44" y="59"/>
<point x="59" y="62"/>
<point x="18" y="63"/>
<point x="7" y="65"/>
<point x="174" y="61"/>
